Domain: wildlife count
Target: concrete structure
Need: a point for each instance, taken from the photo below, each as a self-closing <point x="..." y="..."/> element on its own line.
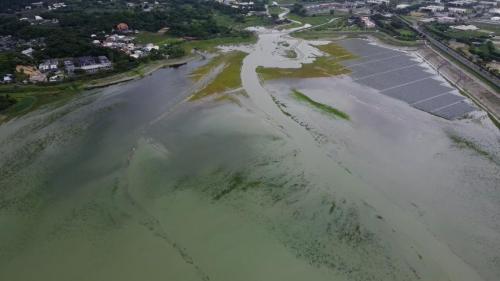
<point x="28" y="52"/>
<point x="465" y="27"/>
<point x="446" y="19"/>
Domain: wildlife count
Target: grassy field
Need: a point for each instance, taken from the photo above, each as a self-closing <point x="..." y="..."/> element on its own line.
<point x="290" y="54"/>
<point x="228" y="21"/>
<point x="200" y="72"/>
<point x="30" y="97"/>
<point x="312" y="20"/>
<point x="228" y="79"/>
<point x="210" y="45"/>
<point x="145" y="37"/>
<point x="340" y="24"/>
<point x="489" y="28"/>
<point x="320" y="106"/>
<point x="275" y="10"/>
<point x="325" y="66"/>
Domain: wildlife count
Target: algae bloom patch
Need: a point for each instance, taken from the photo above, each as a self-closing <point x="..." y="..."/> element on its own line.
<point x="326" y="66"/>
<point x="227" y="79"/>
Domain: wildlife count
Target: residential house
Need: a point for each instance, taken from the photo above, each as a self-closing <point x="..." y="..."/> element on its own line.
<point x="8" y="78"/>
<point x="93" y="65"/>
<point x="367" y="22"/>
<point x="37" y="5"/>
<point x="69" y="66"/>
<point x="49" y="65"/>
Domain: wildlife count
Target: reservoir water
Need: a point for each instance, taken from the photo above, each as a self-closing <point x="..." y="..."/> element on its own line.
<point x="134" y="182"/>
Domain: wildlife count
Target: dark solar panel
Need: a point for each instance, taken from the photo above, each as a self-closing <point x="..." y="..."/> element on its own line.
<point x="399" y="75"/>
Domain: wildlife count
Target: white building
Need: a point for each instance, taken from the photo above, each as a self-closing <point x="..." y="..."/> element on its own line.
<point x="495" y="11"/>
<point x="432" y="8"/>
<point x="150" y="47"/>
<point x="446" y="19"/>
<point x="367" y="22"/>
<point x="8" y="78"/>
<point x="457" y="10"/>
<point x="378" y="2"/>
<point x="402" y="6"/>
<point x="465" y="27"/>
<point x="49" y="65"/>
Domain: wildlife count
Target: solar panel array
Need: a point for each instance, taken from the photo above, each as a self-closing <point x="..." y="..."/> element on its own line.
<point x="401" y="76"/>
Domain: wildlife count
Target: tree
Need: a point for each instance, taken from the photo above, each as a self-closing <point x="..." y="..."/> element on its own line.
<point x="6" y="101"/>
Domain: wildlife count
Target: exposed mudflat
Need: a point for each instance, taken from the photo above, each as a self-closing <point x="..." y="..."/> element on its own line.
<point x="134" y="182"/>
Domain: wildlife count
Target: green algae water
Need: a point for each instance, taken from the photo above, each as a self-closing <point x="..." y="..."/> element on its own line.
<point x="133" y="182"/>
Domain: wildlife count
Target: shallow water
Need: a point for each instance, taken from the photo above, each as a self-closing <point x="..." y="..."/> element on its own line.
<point x="130" y="183"/>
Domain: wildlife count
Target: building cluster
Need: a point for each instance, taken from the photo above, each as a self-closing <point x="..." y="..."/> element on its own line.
<point x="459" y="10"/>
<point x="41" y="5"/>
<point x="55" y="70"/>
<point x="323" y="8"/>
<point x="246" y="6"/>
<point x="145" y="6"/>
<point x="70" y="65"/>
<point x="124" y="42"/>
<point x="38" y="20"/>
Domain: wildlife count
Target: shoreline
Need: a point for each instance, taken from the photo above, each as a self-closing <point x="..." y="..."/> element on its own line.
<point x="135" y="73"/>
<point x="468" y="91"/>
<point x="63" y="90"/>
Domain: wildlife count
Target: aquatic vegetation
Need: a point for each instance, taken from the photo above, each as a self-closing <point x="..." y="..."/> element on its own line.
<point x="228" y="79"/>
<point x="337" y="51"/>
<point x="203" y="70"/>
<point x="464" y="143"/>
<point x="291" y="54"/>
<point x="322" y="107"/>
<point x="321" y="67"/>
<point x="238" y="180"/>
<point x="231" y="97"/>
<point x="281" y="106"/>
<point x="210" y="45"/>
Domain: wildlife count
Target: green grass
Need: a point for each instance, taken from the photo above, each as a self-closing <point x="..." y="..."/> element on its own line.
<point x="291" y="54"/>
<point x="228" y="79"/>
<point x="203" y="70"/>
<point x="339" y="24"/>
<point x="312" y="20"/>
<point x="463" y="143"/>
<point x="31" y="97"/>
<point x="337" y="51"/>
<point x="325" y="66"/>
<point x="275" y="10"/>
<point x="320" y="106"/>
<point x="228" y="21"/>
<point x="488" y="27"/>
<point x="405" y="32"/>
<point x="145" y="37"/>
